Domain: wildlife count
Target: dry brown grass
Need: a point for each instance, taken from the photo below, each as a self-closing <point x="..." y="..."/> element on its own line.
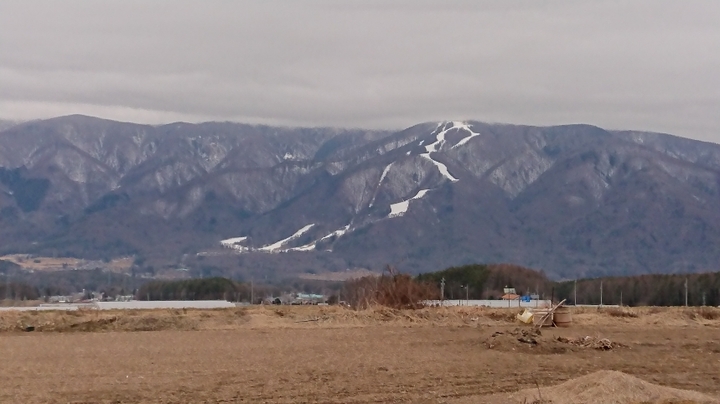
<point x="620" y="312"/>
<point x="708" y="313"/>
<point x="340" y="276"/>
<point x="56" y="264"/>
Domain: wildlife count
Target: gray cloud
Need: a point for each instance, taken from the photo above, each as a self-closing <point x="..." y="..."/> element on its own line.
<point x="650" y="65"/>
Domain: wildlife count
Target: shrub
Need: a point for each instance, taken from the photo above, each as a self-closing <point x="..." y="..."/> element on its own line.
<point x="392" y="289"/>
<point x="617" y="312"/>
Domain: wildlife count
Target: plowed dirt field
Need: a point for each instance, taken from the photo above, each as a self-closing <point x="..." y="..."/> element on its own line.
<point x="329" y="355"/>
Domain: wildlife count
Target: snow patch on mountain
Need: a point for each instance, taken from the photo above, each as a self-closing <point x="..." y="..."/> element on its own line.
<point x="441" y="167"/>
<point x="400" y="208"/>
<point x="276" y="247"/>
<point x="306" y="247"/>
<point x="234" y="243"/>
<point x="382" y="177"/>
<point x="312" y="246"/>
<point x="338" y="233"/>
<point x="435" y="146"/>
<point x="466" y="127"/>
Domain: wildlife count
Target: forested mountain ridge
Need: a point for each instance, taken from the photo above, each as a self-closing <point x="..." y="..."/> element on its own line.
<point x="573" y="200"/>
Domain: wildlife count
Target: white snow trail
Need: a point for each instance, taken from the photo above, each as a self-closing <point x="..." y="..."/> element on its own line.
<point x="400" y="208"/>
<point x="275" y="247"/>
<point x="435" y="146"/>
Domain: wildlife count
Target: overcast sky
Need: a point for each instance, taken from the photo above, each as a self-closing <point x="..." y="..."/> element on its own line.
<point x="649" y="65"/>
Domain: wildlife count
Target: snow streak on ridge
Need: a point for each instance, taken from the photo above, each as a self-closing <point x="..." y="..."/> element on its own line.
<point x="382" y="177"/>
<point x="232" y="242"/>
<point x="399" y="209"/>
<point x="464" y="126"/>
<point x="311" y="246"/>
<point x="276" y="246"/>
<point x="435" y="146"/>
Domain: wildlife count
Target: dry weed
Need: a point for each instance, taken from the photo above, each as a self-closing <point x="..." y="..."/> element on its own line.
<point x="502" y="315"/>
<point x="656" y="310"/>
<point x="707" y="313"/>
<point x="392" y="289"/>
<point x="623" y="313"/>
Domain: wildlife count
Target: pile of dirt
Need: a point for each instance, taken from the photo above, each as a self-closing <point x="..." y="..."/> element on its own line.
<point x="340" y="317"/>
<point x="664" y="316"/>
<point x="604" y="387"/>
<point x="100" y="321"/>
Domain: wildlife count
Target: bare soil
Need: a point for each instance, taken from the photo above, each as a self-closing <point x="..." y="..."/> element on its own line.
<point x="330" y="354"/>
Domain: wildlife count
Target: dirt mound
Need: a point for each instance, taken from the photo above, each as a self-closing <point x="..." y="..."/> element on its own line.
<point x="604" y="387"/>
<point x="341" y="317"/>
<point x="652" y="316"/>
<point x="119" y="320"/>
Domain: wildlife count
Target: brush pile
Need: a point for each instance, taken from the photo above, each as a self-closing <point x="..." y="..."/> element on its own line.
<point x="519" y="338"/>
<point x="602" y="344"/>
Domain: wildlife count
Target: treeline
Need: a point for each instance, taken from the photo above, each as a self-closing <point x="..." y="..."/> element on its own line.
<point x="480" y="281"/>
<point x="18" y="291"/>
<point x="488" y="281"/>
<point x="195" y="289"/>
<point x="645" y="290"/>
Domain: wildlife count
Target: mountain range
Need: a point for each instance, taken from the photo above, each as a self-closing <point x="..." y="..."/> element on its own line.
<point x="572" y="200"/>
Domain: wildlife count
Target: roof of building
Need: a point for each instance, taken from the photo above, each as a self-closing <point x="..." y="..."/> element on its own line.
<point x="510" y="296"/>
<point x="165" y="304"/>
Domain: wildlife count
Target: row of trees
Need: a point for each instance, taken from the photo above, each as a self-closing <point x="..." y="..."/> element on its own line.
<point x="481" y="281"/>
<point x="18" y="291"/>
<point x="488" y="281"/>
<point x="216" y="288"/>
<point x="645" y="290"/>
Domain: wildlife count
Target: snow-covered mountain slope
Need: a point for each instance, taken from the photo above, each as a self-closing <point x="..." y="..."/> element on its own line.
<point x="573" y="200"/>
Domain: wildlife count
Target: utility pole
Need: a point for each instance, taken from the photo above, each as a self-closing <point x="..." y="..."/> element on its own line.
<point x="621" y="298"/>
<point x="252" y="292"/>
<point x="467" y="295"/>
<point x="686" y="293"/>
<point x="575" y="292"/>
<point x="601" y="293"/>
